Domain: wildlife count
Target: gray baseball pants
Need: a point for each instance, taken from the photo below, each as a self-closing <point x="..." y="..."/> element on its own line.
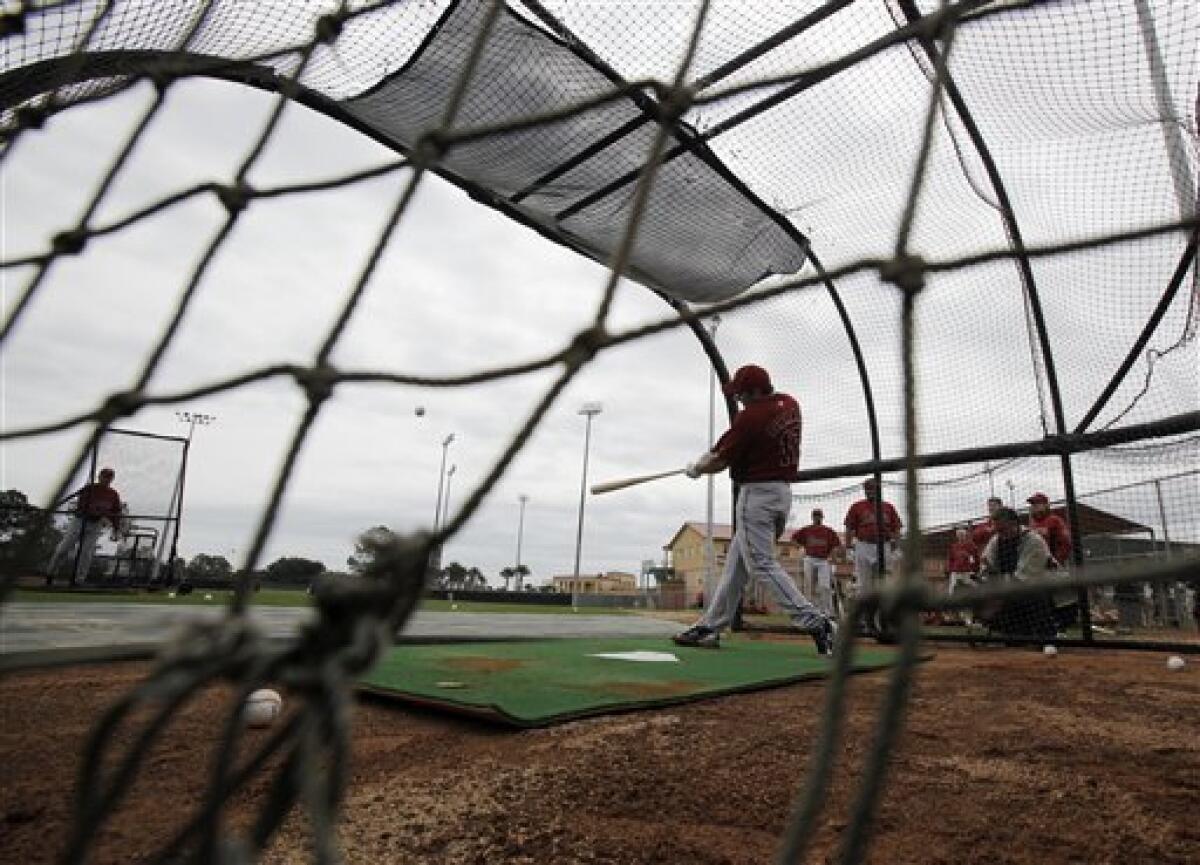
<point x="762" y="510"/>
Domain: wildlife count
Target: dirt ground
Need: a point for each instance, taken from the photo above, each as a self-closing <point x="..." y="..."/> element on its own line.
<point x="1009" y="756"/>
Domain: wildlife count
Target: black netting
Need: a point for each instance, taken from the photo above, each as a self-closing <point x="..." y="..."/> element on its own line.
<point x="995" y="299"/>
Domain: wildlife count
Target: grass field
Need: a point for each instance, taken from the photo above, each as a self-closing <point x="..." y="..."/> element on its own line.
<point x="285" y="598"/>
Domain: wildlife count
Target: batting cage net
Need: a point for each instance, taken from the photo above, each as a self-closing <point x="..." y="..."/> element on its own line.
<point x="150" y="480"/>
<point x="980" y="215"/>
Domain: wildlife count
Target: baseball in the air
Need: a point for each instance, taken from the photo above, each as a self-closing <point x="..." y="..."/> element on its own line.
<point x="1175" y="663"/>
<point x="419" y="411"/>
<point x="208" y="597"/>
<point x="262" y="708"/>
<point x="1050" y="650"/>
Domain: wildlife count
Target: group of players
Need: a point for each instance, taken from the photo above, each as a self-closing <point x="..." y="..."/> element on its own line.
<point x="761" y="450"/>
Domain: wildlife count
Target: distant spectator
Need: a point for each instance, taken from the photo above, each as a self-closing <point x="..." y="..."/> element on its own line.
<point x="820" y="544"/>
<point x="1052" y="528"/>
<point x="96" y="504"/>
<point x="982" y="533"/>
<point x="863" y="535"/>
<point x="1017" y="553"/>
<point x="962" y="562"/>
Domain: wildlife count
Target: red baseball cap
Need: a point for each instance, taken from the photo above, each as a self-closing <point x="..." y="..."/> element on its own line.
<point x="1038" y="499"/>
<point x="748" y="378"/>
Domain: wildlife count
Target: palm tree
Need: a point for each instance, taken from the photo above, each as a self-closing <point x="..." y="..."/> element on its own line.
<point x="476" y="579"/>
<point x="507" y="574"/>
<point x="520" y="572"/>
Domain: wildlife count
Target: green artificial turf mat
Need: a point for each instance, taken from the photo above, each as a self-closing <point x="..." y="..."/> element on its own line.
<point x="531" y="683"/>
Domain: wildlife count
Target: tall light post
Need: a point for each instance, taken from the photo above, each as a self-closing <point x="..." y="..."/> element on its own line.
<point x="193" y="419"/>
<point x="446" y="501"/>
<point x="710" y="552"/>
<point x="522" y="498"/>
<point x="590" y="410"/>
<point x="437" y="508"/>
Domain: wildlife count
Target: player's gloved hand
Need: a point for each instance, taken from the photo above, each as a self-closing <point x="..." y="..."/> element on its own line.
<point x="691" y="471"/>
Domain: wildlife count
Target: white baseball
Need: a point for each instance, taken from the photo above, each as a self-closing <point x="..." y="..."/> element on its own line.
<point x="1050" y="650"/>
<point x="208" y="597"/>
<point x="262" y="707"/>
<point x="1175" y="663"/>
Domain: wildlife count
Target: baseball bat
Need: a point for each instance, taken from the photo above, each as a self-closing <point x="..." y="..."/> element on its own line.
<point x="609" y="487"/>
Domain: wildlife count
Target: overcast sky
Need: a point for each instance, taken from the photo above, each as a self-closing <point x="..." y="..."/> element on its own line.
<point x="461" y="289"/>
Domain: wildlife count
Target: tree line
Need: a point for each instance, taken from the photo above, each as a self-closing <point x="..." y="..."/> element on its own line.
<point x="27" y="540"/>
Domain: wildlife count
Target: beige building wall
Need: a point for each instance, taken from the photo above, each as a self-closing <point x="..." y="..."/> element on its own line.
<point x="612" y="582"/>
<point x="686" y="556"/>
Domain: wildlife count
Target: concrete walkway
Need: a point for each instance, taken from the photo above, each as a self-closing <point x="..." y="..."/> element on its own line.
<point x="29" y="627"/>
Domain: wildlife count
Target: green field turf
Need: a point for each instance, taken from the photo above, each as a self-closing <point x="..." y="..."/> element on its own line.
<point x="538" y="682"/>
<point x="288" y="598"/>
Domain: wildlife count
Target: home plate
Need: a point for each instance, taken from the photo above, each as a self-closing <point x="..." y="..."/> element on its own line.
<point x="651" y="657"/>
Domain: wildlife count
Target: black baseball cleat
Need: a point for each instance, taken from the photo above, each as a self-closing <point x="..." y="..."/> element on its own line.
<point x="825" y="637"/>
<point x="698" y="637"/>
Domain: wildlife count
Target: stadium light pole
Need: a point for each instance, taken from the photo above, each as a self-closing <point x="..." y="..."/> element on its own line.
<point x="193" y="419"/>
<point x="522" y="498"/>
<point x="590" y="410"/>
<point x="437" y="508"/>
<point x="446" y="502"/>
<point x="710" y="552"/>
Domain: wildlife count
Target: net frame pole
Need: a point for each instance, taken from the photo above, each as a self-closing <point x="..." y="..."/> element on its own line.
<point x="187" y="447"/>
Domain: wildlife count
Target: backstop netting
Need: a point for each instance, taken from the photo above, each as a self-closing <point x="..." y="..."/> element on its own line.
<point x="980" y="216"/>
<point x="150" y="480"/>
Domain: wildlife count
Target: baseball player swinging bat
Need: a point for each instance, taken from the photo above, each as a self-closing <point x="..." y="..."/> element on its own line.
<point x="611" y="486"/>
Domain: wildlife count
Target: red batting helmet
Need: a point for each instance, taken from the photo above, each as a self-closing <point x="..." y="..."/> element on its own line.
<point x="748" y="378"/>
<point x="1038" y="499"/>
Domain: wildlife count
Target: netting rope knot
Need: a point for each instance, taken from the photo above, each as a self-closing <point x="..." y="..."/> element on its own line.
<point x="119" y="405"/>
<point x="235" y="198"/>
<point x="318" y="382"/>
<point x="906" y="272"/>
<point x="69" y="242"/>
<point x="586" y="344"/>
<point x="329" y="27"/>
<point x="431" y="146"/>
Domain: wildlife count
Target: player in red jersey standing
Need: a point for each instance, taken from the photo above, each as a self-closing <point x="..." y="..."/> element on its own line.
<point x="865" y="536"/>
<point x="1051" y="527"/>
<point x="982" y="533"/>
<point x="820" y="543"/>
<point x="761" y="449"/>
<point x="95" y="504"/>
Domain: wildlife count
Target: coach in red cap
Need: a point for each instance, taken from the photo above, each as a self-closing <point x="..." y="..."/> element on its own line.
<point x="761" y="449"/>
<point x="1051" y="527"/>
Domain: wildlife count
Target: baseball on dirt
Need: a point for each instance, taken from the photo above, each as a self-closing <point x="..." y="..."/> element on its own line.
<point x="1175" y="663"/>
<point x="262" y="708"/>
<point x="1050" y="650"/>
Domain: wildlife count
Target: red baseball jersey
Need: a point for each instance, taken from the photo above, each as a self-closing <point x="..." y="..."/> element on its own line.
<point x="1055" y="533"/>
<point x="818" y="541"/>
<point x="963" y="558"/>
<point x="763" y="443"/>
<point x="95" y="501"/>
<point x="860" y="521"/>
<point x="982" y="533"/>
